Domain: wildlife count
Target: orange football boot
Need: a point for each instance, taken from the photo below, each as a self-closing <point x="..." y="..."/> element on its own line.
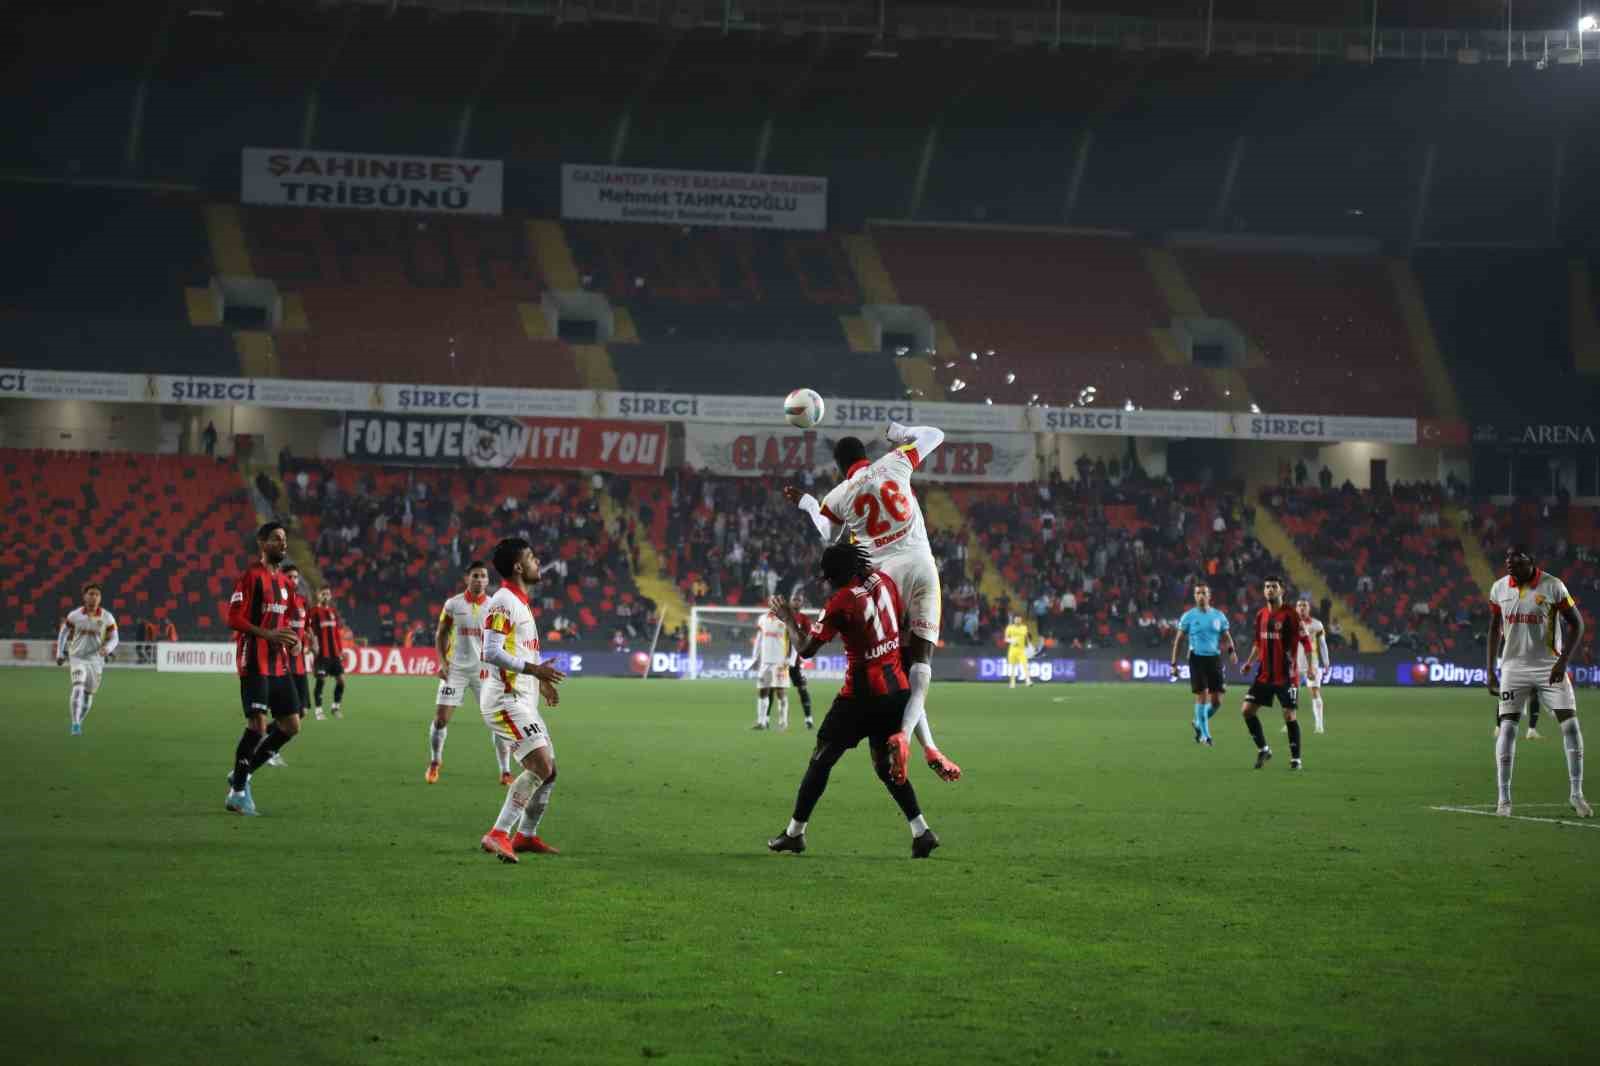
<point x="498" y="844"/>
<point x="947" y="770"/>
<point x="431" y="776"/>
<point x="524" y="842"/>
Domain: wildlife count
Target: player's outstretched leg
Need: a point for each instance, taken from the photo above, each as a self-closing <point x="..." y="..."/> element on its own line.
<point x="75" y="708"/>
<point x="923" y="839"/>
<point x="1505" y="756"/>
<point x="812" y="785"/>
<point x="497" y="841"/>
<point x="1572" y="743"/>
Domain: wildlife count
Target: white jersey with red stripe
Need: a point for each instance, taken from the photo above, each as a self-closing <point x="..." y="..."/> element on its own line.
<point x="87" y="636"/>
<point x="510" y="624"/>
<point x="466" y="616"/>
<point x="1530" y="620"/>
<point x="772" y="642"/>
<point x="875" y="502"/>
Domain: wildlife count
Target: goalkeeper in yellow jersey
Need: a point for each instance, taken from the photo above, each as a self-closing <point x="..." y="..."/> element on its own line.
<point x="1017" y="652"/>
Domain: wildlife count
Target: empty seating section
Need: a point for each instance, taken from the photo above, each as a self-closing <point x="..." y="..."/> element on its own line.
<point x="97" y="278"/>
<point x="1059" y="313"/>
<point x="165" y="535"/>
<point x="720" y="310"/>
<point x="1503" y="317"/>
<point x="395" y="298"/>
<point x="1323" y="324"/>
<point x="393" y="545"/>
<point x="1394" y="560"/>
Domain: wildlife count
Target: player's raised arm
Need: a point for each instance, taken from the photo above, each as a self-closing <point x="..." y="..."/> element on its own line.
<point x="918" y="442"/>
<point x="807" y="644"/>
<point x="828" y="526"/>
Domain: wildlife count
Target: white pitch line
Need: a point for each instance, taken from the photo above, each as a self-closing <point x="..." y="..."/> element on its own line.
<point x="1517" y="817"/>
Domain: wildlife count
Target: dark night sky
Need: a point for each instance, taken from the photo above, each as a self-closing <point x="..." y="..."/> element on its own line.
<point x="1449" y="14"/>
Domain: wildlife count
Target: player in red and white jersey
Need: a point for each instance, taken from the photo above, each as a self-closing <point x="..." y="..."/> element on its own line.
<point x="770" y="653"/>
<point x="328" y="632"/>
<point x="510" y="702"/>
<point x="875" y="505"/>
<point x="1313" y="659"/>
<point x="1277" y="640"/>
<point x="88" y="637"/>
<point x="258" y="612"/>
<point x="865" y="612"/>
<point x="1529" y="649"/>
<point x="458" y="639"/>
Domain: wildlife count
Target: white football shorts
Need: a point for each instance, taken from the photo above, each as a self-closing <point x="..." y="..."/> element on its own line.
<point x="86" y="672"/>
<point x="1308" y="677"/>
<point x="918" y="580"/>
<point x="1517" y="683"/>
<point x="454" y="688"/>
<point x="516" y="718"/>
<point x="772" y="675"/>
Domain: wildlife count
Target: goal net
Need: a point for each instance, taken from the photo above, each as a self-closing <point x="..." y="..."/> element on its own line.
<point x="721" y="641"/>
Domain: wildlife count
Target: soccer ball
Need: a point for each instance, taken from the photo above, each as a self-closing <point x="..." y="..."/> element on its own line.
<point x="803" y="408"/>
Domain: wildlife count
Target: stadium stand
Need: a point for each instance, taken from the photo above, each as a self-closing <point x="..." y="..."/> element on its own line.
<point x="1327" y="327"/>
<point x="392" y="544"/>
<point x="1394" y="559"/>
<point x="166" y="535"/>
<point x="98" y="282"/>
<point x="387" y="297"/>
<point x="736" y="542"/>
<point x="1107" y="560"/>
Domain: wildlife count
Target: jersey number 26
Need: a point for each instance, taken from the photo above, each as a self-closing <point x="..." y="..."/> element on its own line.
<point x="894" y="502"/>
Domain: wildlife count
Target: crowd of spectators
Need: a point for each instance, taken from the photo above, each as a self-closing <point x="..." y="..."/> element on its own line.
<point x="392" y="544"/>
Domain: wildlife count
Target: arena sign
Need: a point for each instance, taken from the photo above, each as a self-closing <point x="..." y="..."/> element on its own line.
<point x="694" y="197"/>
<point x="767" y="451"/>
<point x="498" y="442"/>
<point x="296" y="177"/>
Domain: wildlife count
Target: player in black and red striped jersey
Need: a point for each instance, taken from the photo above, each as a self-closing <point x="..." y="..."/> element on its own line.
<point x="864" y="611"/>
<point x="298" y="612"/>
<point x="1279" y="637"/>
<point x="328" y="633"/>
<point x="258" y="612"/>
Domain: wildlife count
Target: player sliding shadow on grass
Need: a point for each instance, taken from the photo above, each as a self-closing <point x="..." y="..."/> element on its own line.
<point x="865" y="612"/>
<point x="1529" y="649"/>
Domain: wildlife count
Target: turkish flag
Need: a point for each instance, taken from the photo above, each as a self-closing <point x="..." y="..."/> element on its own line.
<point x="1441" y="431"/>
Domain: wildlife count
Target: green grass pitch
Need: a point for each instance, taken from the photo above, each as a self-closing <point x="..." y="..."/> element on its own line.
<point x="1106" y="890"/>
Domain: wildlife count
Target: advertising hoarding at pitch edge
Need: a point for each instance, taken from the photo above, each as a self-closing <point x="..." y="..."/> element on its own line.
<point x="188" y="657"/>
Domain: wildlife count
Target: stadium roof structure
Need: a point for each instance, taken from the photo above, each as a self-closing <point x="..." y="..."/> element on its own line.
<point x="1542" y="32"/>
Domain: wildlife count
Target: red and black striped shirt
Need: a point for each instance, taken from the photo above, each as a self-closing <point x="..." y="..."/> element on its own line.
<point x="866" y="613"/>
<point x="297" y="621"/>
<point x="1278" y="636"/>
<point x="328" y="632"/>
<point x="261" y="598"/>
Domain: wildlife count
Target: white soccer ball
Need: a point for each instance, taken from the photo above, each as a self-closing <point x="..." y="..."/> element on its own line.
<point x="803" y="408"/>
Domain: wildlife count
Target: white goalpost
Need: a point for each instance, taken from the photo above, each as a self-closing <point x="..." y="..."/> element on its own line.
<point x="720" y="640"/>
